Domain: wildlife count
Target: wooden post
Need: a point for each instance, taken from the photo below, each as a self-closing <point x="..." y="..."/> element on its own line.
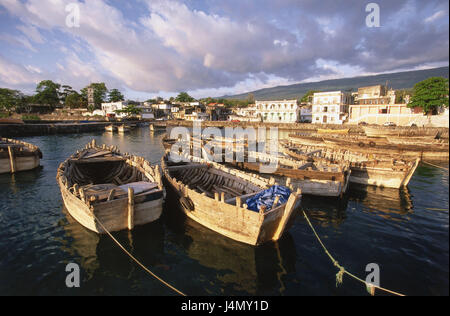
<point x="130" y="208"/>
<point x="275" y="202"/>
<point x="288" y="209"/>
<point x="222" y="197"/>
<point x="216" y="196"/>
<point x="82" y="196"/>
<point x="12" y="161"/>
<point x="111" y="195"/>
<point x="238" y="201"/>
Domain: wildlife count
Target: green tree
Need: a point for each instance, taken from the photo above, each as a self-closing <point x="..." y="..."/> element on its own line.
<point x="400" y="95"/>
<point x="47" y="92"/>
<point x="100" y="92"/>
<point x="74" y="100"/>
<point x="130" y="110"/>
<point x="115" y="96"/>
<point x="66" y="90"/>
<point x="430" y="94"/>
<point x="11" y="99"/>
<point x="184" y="97"/>
<point x="308" y="94"/>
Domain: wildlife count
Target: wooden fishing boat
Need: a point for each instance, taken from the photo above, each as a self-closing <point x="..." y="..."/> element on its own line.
<point x="437" y="152"/>
<point x="380" y="131"/>
<point x="18" y="156"/>
<point x="123" y="129"/>
<point x="332" y="131"/>
<point x="215" y="196"/>
<point x="110" y="128"/>
<point x="313" y="178"/>
<point x="365" y="168"/>
<point x="168" y="142"/>
<point x="119" y="190"/>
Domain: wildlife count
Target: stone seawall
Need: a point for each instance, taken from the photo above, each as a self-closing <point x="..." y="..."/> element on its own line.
<point x="20" y="130"/>
<point x="281" y="126"/>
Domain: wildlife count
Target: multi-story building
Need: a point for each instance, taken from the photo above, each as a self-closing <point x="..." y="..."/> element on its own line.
<point x="196" y="116"/>
<point x="377" y="94"/>
<point x="330" y="107"/>
<point x="285" y="111"/>
<point x="110" y="108"/>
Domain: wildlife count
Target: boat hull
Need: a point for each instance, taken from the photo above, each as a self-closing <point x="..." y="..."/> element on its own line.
<point x="22" y="164"/>
<point x="382" y="177"/>
<point x="233" y="221"/>
<point x="113" y="214"/>
<point x="106" y="206"/>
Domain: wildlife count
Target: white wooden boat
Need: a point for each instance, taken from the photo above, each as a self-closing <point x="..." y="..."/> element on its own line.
<point x="313" y="178"/>
<point x="215" y="196"/>
<point x="379" y="147"/>
<point x="119" y="190"/>
<point x="123" y="129"/>
<point x="18" y="156"/>
<point x="110" y="128"/>
<point x="366" y="169"/>
<point x="381" y="131"/>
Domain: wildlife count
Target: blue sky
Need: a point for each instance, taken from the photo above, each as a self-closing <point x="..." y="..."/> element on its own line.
<point x="148" y="48"/>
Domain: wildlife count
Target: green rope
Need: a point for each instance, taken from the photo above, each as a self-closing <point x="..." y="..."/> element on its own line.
<point x="436" y="166"/>
<point x="339" y="276"/>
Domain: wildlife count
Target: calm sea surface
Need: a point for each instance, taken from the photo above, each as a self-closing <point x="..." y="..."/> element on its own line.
<point x="406" y="232"/>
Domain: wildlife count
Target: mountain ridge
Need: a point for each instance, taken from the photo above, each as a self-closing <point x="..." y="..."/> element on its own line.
<point x="396" y="80"/>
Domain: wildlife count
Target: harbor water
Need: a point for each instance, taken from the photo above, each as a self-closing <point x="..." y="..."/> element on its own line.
<point x="405" y="232"/>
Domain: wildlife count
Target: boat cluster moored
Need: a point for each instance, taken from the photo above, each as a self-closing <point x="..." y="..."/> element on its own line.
<point x="253" y="200"/>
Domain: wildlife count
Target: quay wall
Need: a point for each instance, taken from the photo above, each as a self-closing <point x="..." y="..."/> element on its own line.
<point x="20" y="130"/>
<point x="308" y="127"/>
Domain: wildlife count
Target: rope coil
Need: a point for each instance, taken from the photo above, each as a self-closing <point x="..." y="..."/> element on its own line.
<point x="339" y="276"/>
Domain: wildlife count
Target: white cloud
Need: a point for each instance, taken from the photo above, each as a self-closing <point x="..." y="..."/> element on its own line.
<point x="32" y="33"/>
<point x="435" y="16"/>
<point x="227" y="48"/>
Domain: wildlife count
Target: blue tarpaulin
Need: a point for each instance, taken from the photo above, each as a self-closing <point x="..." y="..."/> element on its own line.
<point x="267" y="197"/>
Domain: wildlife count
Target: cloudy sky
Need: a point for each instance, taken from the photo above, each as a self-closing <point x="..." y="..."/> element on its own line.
<point x="147" y="48"/>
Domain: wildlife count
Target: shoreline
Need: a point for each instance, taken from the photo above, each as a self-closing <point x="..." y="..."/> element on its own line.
<point x="40" y="128"/>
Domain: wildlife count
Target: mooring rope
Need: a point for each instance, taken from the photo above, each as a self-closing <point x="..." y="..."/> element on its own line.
<point x="370" y="287"/>
<point x="428" y="163"/>
<point x="136" y="260"/>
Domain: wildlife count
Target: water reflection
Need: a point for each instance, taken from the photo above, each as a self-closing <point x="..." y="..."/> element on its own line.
<point x="145" y="242"/>
<point x="243" y="268"/>
<point x="325" y="211"/>
<point x="391" y="204"/>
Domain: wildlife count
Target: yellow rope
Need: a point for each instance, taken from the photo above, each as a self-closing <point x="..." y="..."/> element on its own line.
<point x="434" y="165"/>
<point x="342" y="270"/>
<point x="136" y="260"/>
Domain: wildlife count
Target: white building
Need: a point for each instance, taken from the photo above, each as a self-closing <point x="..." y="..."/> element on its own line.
<point x="146" y="111"/>
<point x="248" y="114"/>
<point x="285" y="111"/>
<point x="306" y="113"/>
<point x="196" y="116"/>
<point x="330" y="107"/>
<point x="111" y="108"/>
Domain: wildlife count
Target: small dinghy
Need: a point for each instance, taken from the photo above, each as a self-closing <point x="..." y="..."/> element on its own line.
<point x="18" y="156"/>
<point x="99" y="184"/>
<point x="110" y="128"/>
<point x="235" y="204"/>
